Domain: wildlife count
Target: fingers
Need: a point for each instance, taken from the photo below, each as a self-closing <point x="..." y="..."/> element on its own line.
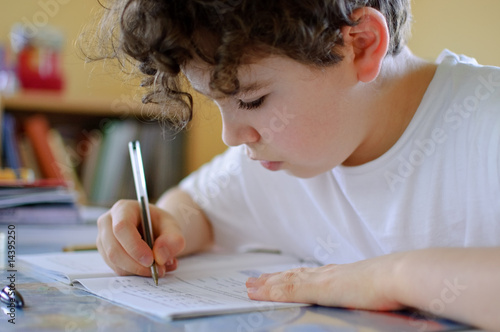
<point x="125" y="225"/>
<point x="288" y="286"/>
<point x="114" y="253"/>
<point x="122" y="247"/>
<point x="168" y="244"/>
<point x="347" y="285"/>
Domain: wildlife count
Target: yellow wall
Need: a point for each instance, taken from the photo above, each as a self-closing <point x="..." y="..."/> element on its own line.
<point x="468" y="27"/>
<point x="204" y="136"/>
<point x="464" y="26"/>
<point x="70" y="16"/>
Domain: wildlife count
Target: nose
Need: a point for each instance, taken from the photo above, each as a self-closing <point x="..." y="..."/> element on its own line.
<point x="236" y="132"/>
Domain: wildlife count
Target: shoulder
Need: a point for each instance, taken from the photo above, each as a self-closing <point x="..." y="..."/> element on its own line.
<point x="463" y="93"/>
<point x="469" y="79"/>
<point x="472" y="113"/>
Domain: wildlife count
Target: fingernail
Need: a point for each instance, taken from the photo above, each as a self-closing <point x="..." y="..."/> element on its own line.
<point x="161" y="271"/>
<point x="251" y="280"/>
<point x="170" y="262"/>
<point x="145" y="261"/>
<point x="252" y="290"/>
<point x="163" y="254"/>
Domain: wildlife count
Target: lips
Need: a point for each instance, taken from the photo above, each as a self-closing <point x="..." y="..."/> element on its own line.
<point x="270" y="165"/>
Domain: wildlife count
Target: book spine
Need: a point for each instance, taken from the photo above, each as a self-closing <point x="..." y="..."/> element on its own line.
<point x="10" y="147"/>
<point x="93" y="141"/>
<point x="28" y="158"/>
<point x="65" y="164"/>
<point x="113" y="162"/>
<point x="37" y="130"/>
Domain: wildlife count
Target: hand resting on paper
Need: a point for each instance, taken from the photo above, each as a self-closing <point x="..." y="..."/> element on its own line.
<point x="457" y="283"/>
<point x="120" y="243"/>
<point x="359" y="285"/>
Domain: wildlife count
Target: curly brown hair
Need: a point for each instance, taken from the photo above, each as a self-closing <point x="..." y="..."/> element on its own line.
<point x="160" y="36"/>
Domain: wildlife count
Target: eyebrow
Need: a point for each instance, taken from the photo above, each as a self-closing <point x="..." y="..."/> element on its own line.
<point x="252" y="87"/>
<point x="243" y="90"/>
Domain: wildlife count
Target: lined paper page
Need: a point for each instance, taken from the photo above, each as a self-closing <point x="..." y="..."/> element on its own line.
<point x="182" y="295"/>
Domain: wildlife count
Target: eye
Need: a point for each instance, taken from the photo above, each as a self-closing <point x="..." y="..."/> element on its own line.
<point x="251" y="104"/>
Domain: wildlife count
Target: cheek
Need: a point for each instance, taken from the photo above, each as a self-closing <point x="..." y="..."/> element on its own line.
<point x="294" y="141"/>
<point x="313" y="141"/>
<point x="275" y="133"/>
<point x="275" y="123"/>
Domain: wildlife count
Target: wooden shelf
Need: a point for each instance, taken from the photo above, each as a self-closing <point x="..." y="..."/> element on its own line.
<point x="53" y="102"/>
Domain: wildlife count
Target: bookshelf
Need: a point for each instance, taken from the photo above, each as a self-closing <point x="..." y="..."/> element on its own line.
<point x="94" y="133"/>
<point x="54" y="102"/>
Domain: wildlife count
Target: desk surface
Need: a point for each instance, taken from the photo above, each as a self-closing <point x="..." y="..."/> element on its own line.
<point x="53" y="306"/>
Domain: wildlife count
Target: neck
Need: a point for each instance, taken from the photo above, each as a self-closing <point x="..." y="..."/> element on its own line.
<point x="393" y="98"/>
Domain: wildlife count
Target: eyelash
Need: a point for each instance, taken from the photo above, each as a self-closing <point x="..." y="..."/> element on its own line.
<point x="252" y="104"/>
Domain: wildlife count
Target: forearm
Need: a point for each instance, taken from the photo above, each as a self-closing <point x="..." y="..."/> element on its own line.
<point x="195" y="227"/>
<point x="458" y="283"/>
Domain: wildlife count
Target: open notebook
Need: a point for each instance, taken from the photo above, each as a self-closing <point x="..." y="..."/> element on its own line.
<point x="207" y="284"/>
<point x="204" y="284"/>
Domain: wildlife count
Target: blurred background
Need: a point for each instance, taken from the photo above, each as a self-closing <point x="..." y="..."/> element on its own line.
<point x="81" y="115"/>
<point x="463" y="26"/>
<point x="96" y="81"/>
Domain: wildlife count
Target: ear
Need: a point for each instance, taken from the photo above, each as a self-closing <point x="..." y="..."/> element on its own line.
<point x="368" y="42"/>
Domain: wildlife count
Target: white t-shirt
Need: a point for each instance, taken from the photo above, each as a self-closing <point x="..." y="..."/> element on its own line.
<point x="439" y="185"/>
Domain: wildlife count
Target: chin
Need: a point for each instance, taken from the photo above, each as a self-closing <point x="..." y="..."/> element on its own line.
<point x="303" y="173"/>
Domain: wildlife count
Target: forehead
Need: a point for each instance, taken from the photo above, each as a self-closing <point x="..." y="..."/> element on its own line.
<point x="252" y="76"/>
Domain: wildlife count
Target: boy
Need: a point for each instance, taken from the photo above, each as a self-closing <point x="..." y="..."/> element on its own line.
<point x="344" y="147"/>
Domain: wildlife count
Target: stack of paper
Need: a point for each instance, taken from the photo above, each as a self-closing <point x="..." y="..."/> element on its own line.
<point x="39" y="202"/>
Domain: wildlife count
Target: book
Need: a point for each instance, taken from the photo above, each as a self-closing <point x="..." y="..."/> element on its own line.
<point x="169" y="155"/>
<point x="46" y="214"/>
<point x="11" y="196"/>
<point x="66" y="164"/>
<point x="213" y="283"/>
<point x="37" y="130"/>
<point x="93" y="141"/>
<point x="113" y="162"/>
<point x="46" y="201"/>
<point x="28" y="157"/>
<point x="162" y="155"/>
<point x="10" y="149"/>
<point x="106" y="172"/>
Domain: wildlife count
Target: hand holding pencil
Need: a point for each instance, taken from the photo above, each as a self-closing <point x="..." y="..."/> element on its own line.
<point x="119" y="240"/>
